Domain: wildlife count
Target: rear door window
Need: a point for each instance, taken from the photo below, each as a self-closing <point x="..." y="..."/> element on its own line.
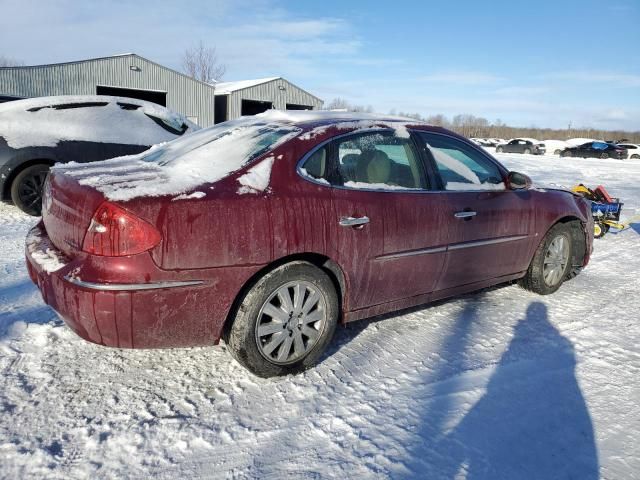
<point x="369" y="161"/>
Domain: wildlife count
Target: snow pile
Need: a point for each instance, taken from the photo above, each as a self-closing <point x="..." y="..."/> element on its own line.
<point x="191" y="196"/>
<point x="43" y="253"/>
<point x="186" y="163"/>
<point x="257" y="178"/>
<point x="45" y="121"/>
<point x="399" y="128"/>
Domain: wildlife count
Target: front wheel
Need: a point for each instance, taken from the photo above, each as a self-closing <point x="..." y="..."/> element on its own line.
<point x="604" y="156"/>
<point x="285" y="321"/>
<point x="635" y="156"/>
<point x="499" y="149"/>
<point x="557" y="152"/>
<point x="26" y="189"/>
<point x="527" y="151"/>
<point x="551" y="263"/>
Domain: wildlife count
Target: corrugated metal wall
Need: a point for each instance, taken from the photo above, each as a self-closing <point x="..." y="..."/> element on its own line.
<point x="184" y="95"/>
<point x="271" y="92"/>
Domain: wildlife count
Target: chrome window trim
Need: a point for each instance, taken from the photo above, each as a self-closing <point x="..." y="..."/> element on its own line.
<point x="130" y="286"/>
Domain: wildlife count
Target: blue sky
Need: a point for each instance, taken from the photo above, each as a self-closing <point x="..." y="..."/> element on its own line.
<point x="543" y="63"/>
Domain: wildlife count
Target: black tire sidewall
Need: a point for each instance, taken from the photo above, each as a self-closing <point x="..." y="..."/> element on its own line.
<point x="17" y="182"/>
<point x="241" y="339"/>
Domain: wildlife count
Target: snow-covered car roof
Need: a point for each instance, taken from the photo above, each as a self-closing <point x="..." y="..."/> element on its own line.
<point x="45" y="121"/>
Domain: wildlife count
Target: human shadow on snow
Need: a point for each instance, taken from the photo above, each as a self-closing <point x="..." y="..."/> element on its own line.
<point x="532" y="421"/>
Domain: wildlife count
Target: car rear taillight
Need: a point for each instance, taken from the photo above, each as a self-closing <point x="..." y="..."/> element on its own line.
<point x="115" y="232"/>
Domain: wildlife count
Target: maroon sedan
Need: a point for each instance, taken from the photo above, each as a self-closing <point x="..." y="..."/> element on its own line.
<point x="269" y="230"/>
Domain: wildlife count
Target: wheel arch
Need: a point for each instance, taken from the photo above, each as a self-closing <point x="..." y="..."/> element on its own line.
<point x="326" y="264"/>
<point x="6" y="190"/>
<point x="578" y="238"/>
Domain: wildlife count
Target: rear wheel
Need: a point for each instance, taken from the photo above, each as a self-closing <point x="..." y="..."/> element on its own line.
<point x="557" y="152"/>
<point x="285" y="321"/>
<point x="26" y="188"/>
<point x="635" y="156"/>
<point x="551" y="263"/>
<point x="499" y="149"/>
<point x="566" y="154"/>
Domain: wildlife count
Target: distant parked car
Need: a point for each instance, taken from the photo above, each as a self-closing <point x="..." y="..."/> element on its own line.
<point x="36" y="133"/>
<point x="555" y="147"/>
<point x="522" y="145"/>
<point x="633" y="150"/>
<point x="596" y="150"/>
<point x="269" y="230"/>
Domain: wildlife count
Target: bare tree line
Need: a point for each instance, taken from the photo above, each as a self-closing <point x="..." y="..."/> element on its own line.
<point x="472" y="126"/>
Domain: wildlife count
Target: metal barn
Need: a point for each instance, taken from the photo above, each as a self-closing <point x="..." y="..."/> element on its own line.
<point x="249" y="97"/>
<point x="126" y="75"/>
<point x="131" y="75"/>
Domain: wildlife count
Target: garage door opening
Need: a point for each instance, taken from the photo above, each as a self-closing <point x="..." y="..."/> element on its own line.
<point x="295" y="106"/>
<point x="254" y="107"/>
<point x="149" y="95"/>
<point x="221" y="108"/>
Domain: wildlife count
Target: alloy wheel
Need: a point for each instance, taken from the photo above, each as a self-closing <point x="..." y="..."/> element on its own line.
<point x="30" y="190"/>
<point x="291" y="322"/>
<point x="555" y="260"/>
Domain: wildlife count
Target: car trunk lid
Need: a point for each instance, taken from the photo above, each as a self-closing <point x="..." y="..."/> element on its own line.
<point x="67" y="210"/>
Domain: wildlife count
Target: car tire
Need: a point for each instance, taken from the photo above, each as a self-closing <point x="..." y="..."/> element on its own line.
<point x="542" y="277"/>
<point x="26" y="188"/>
<point x="604" y="156"/>
<point x="287" y="344"/>
<point x="499" y="149"/>
<point x="566" y="154"/>
<point x="527" y="151"/>
<point x="635" y="156"/>
<point x="558" y="152"/>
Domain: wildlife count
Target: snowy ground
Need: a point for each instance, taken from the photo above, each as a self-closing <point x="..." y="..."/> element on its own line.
<point x="498" y="384"/>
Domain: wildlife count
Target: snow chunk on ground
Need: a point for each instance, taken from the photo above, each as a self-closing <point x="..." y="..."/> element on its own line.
<point x="257" y="178"/>
<point x="184" y="164"/>
<point x="45" y="121"/>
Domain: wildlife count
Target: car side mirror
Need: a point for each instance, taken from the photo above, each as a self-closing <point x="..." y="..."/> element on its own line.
<point x="518" y="181"/>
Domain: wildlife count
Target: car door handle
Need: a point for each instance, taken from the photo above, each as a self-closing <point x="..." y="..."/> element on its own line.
<point x="353" y="221"/>
<point x="465" y="214"/>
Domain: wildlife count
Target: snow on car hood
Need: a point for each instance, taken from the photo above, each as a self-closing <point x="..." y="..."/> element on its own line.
<point x="179" y="166"/>
<point x="42" y="122"/>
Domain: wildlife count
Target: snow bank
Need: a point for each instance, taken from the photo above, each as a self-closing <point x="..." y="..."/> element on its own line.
<point x="41" y="121"/>
<point x="184" y="164"/>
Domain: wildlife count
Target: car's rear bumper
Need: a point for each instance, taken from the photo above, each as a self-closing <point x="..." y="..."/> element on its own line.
<point x="160" y="312"/>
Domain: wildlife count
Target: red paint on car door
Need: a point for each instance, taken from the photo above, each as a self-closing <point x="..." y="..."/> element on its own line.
<point x="496" y="241"/>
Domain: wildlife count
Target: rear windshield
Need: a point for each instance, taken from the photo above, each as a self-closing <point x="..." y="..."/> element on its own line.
<point x="238" y="142"/>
